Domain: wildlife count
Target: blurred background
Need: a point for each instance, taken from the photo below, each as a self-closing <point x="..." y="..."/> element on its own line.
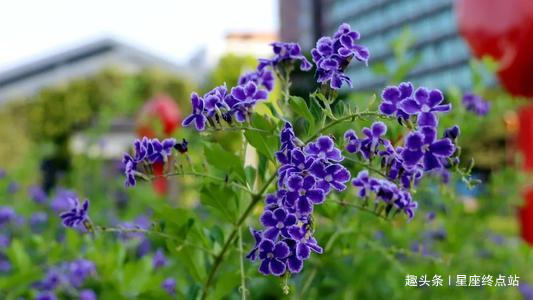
<point x="79" y="81"/>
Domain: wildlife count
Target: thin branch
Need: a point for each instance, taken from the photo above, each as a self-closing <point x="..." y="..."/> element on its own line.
<point x="196" y="174"/>
<point x="241" y="260"/>
<point x="345" y="118"/>
<point x="150" y="232"/>
<point x="360" y="207"/>
<point x="218" y="259"/>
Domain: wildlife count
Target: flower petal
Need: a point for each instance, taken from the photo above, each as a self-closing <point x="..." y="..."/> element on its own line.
<point x="442" y="147"/>
<point x="281" y="250"/>
<point x="410" y="106"/>
<point x="294" y="264"/>
<point x="427" y="119"/>
<point x="268" y="220"/>
<point x="316" y="196"/>
<point x="277" y="267"/>
<point x="302" y="251"/>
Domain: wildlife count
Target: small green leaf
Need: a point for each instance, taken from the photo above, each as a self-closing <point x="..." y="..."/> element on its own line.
<point x="299" y="106"/>
<point x="224" y="160"/>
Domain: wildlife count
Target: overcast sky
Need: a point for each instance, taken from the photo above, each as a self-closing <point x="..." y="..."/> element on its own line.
<point x="174" y="29"/>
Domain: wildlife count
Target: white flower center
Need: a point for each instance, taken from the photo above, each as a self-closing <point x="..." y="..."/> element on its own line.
<point x="270" y="255"/>
<point x="280" y="225"/>
<point x="321" y="155"/>
<point x="425" y="108"/>
<point x="301" y="192"/>
<point x="329" y="178"/>
<point x="301" y="166"/>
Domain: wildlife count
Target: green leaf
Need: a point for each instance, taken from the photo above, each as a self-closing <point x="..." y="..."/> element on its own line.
<point x="221" y="199"/>
<point x="250" y="175"/>
<point x="265" y="144"/>
<point x="224" y="160"/>
<point x="299" y="106"/>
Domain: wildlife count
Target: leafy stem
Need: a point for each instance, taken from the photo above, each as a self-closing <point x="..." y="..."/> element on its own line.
<point x="197" y="174"/>
<point x="256" y="197"/>
<point x="150" y="232"/>
<point x="343" y="119"/>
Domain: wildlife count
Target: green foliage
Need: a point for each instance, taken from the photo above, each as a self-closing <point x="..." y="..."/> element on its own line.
<point x="229" y="68"/>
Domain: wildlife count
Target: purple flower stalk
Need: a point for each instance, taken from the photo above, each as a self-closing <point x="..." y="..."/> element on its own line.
<point x="79" y="270"/>
<point x="286" y="52"/>
<point x="261" y="78"/>
<point x="333" y="54"/>
<point x="476" y="104"/>
<point x="37" y="194"/>
<point x="197" y="116"/>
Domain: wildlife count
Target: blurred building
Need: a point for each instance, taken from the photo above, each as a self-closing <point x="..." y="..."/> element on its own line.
<point x="250" y="43"/>
<point x="443" y="54"/>
<point x="77" y="62"/>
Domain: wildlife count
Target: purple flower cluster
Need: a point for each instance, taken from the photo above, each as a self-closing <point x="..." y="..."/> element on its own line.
<point x="72" y="274"/>
<point x="220" y="104"/>
<point x="401" y="102"/>
<point x="476" y="104"/>
<point x="333" y="54"/>
<point x="306" y="175"/>
<point x="148" y="151"/>
<point x="285" y="53"/>
<point x="386" y="191"/>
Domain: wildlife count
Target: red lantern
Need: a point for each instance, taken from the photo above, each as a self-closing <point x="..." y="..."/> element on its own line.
<point x="159" y="117"/>
<point x="502" y="29"/>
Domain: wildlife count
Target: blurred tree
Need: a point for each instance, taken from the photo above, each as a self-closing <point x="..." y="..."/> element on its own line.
<point x="229" y="68"/>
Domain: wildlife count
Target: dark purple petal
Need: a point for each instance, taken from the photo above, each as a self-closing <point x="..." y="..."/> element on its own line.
<point x="263" y="268"/>
<point x="387" y="108"/>
<point x="268" y="220"/>
<point x="411" y="157"/>
<point x="280" y="215"/>
<point x="281" y="250"/>
<point x="295" y="182"/>
<point x="266" y="245"/>
<point x="238" y="93"/>
<point x="443" y="108"/>
<point x="431" y="162"/>
<point x="294" y="264"/>
<point x="303" y="205"/>
<point x="316" y="196"/>
<point x="442" y="147"/>
<point x="427" y="119"/>
<point x="200" y="122"/>
<point x="261" y="95"/>
<point x="421" y="95"/>
<point x="410" y="106"/>
<point x="414" y="141"/>
<point x="302" y="251"/>
<point x="378" y="129"/>
<point x="435" y="97"/>
<point x="271" y="233"/>
<point x="277" y="267"/>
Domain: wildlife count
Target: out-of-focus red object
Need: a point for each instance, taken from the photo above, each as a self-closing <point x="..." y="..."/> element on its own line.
<point x="525" y="136"/>
<point x="525" y="145"/>
<point x="526" y="217"/>
<point x="159" y="117"/>
<point x="160" y="112"/>
<point x="502" y="29"/>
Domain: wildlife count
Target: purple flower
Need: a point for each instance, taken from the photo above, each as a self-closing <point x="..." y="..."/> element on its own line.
<point x="425" y="105"/>
<point x="159" y="259"/>
<point x="12" y="187"/>
<point x="286" y="52"/>
<point x="243" y="98"/>
<point x="61" y="201"/>
<point x="369" y="145"/>
<point x="364" y="183"/>
<point x="77" y="214"/>
<point x="353" y="143"/>
<point x="274" y="201"/>
<point x="5" y="241"/>
<point x="526" y="290"/>
<point x="258" y="237"/>
<point x="452" y="133"/>
<point x="302" y="193"/>
<point x="52" y="279"/>
<point x="37" y="220"/>
<point x="334" y="175"/>
<point x="215" y="100"/>
<point x="37" y="194"/>
<point x="288" y="142"/>
<point x="7" y="214"/>
<point x="298" y="163"/>
<point x="276" y="223"/>
<point x="424" y="146"/>
<point x="347" y="47"/>
<point x="2" y="173"/>
<point x="87" y="295"/>
<point x="261" y="77"/>
<point x="332" y="56"/>
<point x="197" y="115"/>
<point x="169" y="285"/>
<point x="46" y="295"/>
<point x="392" y="96"/>
<point x="305" y="243"/>
<point x="476" y="104"/>
<point x="5" y="264"/>
<point x="79" y="270"/>
<point x="273" y="255"/>
<point x="159" y="151"/>
<point x="324" y="149"/>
